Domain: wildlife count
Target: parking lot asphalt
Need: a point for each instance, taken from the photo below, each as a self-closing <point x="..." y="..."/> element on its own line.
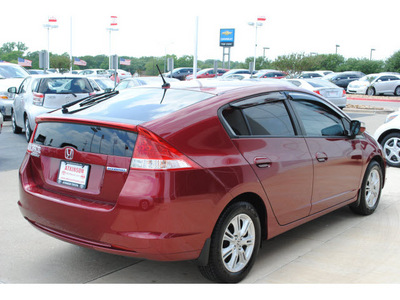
<point x="340" y="247"/>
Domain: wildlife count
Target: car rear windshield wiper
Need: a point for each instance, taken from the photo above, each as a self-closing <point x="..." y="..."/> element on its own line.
<point x="88" y="100"/>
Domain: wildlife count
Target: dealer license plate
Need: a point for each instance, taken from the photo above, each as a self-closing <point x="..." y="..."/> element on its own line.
<point x="73" y="174"/>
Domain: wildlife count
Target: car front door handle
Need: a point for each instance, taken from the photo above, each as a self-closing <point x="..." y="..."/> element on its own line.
<point x="262" y="162"/>
<point x="321" y="156"/>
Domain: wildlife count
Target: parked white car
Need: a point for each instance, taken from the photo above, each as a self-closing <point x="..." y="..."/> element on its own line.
<point x="94" y="73"/>
<point x="101" y="84"/>
<point x="10" y="75"/>
<point x="325" y="88"/>
<point x="39" y="94"/>
<point x="375" y="84"/>
<point x="388" y="135"/>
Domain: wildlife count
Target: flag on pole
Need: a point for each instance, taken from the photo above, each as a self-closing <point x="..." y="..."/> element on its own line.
<point x="262" y="18"/>
<point x="24" y="62"/>
<point x="113" y="21"/>
<point x="79" y="62"/>
<point x="123" y="61"/>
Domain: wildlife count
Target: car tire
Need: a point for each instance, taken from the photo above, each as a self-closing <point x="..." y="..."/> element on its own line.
<point x="234" y="244"/>
<point x="391" y="148"/>
<point x="16" y="129"/>
<point x="370" y="191"/>
<point x="397" y="91"/>
<point x="28" y="130"/>
<point x="371" y="91"/>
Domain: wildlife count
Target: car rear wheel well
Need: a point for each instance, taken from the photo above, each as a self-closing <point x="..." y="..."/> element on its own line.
<point x="258" y="204"/>
<point x="381" y="163"/>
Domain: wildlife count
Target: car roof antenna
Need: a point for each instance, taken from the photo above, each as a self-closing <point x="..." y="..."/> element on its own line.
<point x="166" y="85"/>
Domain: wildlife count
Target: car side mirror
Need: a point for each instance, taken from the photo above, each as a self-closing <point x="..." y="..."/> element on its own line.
<point x="12" y="90"/>
<point x="356" y="127"/>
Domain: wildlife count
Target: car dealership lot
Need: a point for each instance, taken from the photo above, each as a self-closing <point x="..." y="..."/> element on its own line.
<point x="337" y="248"/>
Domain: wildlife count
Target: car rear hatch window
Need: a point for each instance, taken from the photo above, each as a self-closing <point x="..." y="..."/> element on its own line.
<point x="59" y="91"/>
<point x="86" y="162"/>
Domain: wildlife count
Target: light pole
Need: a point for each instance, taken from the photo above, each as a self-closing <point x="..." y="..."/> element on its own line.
<point x="265" y="48"/>
<point x="256" y="25"/>
<point x="370" y="55"/>
<point x="113" y="27"/>
<point x="337" y="46"/>
<point x="52" y="23"/>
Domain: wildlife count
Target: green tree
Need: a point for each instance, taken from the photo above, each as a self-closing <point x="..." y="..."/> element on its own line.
<point x="293" y="64"/>
<point x="392" y="64"/>
<point x="362" y="65"/>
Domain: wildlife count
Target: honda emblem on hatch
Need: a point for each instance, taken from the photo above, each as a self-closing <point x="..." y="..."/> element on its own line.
<point x="69" y="153"/>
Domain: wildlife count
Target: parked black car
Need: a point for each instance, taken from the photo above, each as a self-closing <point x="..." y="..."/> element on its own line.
<point x="343" y="79"/>
<point x="180" y="73"/>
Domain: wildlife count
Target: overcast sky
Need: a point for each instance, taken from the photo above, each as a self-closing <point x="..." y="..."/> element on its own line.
<point x="153" y="28"/>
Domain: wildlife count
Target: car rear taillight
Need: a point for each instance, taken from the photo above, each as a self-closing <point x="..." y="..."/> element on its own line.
<point x="38" y="99"/>
<point x="318" y="92"/>
<point x="153" y="153"/>
<point x="344" y="92"/>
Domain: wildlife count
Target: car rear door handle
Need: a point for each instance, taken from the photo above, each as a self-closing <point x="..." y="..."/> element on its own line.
<point x="262" y="162"/>
<point x="321" y="156"/>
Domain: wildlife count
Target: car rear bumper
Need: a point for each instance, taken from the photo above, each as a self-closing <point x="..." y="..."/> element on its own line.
<point x="164" y="229"/>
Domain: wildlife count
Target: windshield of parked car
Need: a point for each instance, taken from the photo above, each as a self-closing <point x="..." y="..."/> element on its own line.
<point x="12" y="71"/>
<point x="105" y="84"/>
<point x="368" y="78"/>
<point x="64" y="86"/>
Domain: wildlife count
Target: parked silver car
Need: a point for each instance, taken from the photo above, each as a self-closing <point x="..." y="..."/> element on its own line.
<point x="10" y="75"/>
<point x="375" y="84"/>
<point x="40" y="94"/>
<point x="325" y="88"/>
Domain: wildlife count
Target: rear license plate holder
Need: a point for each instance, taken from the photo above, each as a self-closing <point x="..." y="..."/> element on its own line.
<point x="73" y="174"/>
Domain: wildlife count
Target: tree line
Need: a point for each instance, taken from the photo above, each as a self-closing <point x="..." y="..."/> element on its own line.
<point x="293" y="63"/>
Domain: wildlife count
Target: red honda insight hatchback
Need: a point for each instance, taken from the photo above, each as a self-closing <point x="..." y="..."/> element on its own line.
<point x="199" y="172"/>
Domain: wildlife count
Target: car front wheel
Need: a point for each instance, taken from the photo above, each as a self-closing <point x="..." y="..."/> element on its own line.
<point x="15" y="128"/>
<point x="234" y="244"/>
<point x="371" y="91"/>
<point x="370" y="191"/>
<point x="391" y="148"/>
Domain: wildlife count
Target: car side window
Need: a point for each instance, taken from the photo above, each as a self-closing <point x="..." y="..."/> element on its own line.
<point x="318" y="120"/>
<point x="23" y="86"/>
<point x="260" y="117"/>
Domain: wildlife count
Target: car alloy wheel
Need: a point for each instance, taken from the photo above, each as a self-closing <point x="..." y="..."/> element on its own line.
<point x="28" y="131"/>
<point x="371" y="91"/>
<point x="397" y="91"/>
<point x="234" y="244"/>
<point x="238" y="243"/>
<point x="391" y="148"/>
<point x="370" y="191"/>
<point x="15" y="128"/>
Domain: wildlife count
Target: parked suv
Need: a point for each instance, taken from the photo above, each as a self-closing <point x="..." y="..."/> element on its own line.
<point x="39" y="94"/>
<point x="10" y="75"/>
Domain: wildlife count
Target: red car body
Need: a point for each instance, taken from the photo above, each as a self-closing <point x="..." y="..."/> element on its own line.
<point x="170" y="214"/>
<point x="207" y="73"/>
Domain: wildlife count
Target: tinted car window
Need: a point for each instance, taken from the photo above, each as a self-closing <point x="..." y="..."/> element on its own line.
<point x="86" y="138"/>
<point x="270" y="118"/>
<point x="317" y="119"/>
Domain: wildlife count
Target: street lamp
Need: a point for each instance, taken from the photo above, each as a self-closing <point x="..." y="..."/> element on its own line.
<point x="337" y="46"/>
<point x="256" y="25"/>
<point x="370" y="55"/>
<point x="52" y="23"/>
